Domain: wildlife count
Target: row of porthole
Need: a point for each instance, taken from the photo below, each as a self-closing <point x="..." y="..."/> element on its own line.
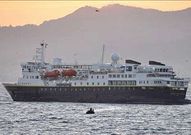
<point x="84" y="89"/>
<point x="71" y="89"/>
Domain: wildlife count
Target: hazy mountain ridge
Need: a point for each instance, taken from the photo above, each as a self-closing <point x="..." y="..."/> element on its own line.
<point x="137" y="33"/>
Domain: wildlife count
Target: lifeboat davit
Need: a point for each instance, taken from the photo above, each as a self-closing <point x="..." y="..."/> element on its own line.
<point x="69" y="72"/>
<point x="52" y="74"/>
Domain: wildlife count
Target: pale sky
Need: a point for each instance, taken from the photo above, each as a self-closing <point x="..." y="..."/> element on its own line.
<point x="36" y="12"/>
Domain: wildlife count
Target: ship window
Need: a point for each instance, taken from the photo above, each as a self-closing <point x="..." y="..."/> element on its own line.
<point x="37" y="77"/>
<point x="109" y="83"/>
<point x="128" y="68"/>
<point x="118" y="82"/>
<point x="110" y="76"/>
<point x="125" y="75"/>
<point x="92" y="76"/>
<point x="87" y="83"/>
<point x="81" y="83"/>
<point x="168" y="82"/>
<point x="113" y="82"/>
<point x="130" y="76"/>
<point x="74" y="83"/>
<point x="92" y="83"/>
<point x="114" y="76"/>
<point x="147" y="81"/>
<point x="103" y="83"/>
<point x="102" y="77"/>
<point x="122" y="76"/>
<point x="118" y="76"/>
<point x="97" y="77"/>
<point x="97" y="83"/>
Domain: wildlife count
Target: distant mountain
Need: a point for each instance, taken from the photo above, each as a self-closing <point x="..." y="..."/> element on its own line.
<point x="133" y="33"/>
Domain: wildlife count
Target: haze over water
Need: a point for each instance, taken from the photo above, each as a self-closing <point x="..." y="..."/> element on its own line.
<point x="44" y="118"/>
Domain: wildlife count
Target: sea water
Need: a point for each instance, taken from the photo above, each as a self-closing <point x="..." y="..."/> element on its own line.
<point x="59" y="118"/>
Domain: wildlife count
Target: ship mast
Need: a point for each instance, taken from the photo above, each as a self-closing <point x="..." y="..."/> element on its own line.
<point x="102" y="57"/>
<point x="40" y="53"/>
<point x="43" y="47"/>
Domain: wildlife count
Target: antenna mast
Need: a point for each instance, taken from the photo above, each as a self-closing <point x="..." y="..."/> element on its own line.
<point x="102" y="57"/>
<point x="40" y="53"/>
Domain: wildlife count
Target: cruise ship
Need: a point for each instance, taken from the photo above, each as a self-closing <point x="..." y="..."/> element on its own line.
<point x="128" y="82"/>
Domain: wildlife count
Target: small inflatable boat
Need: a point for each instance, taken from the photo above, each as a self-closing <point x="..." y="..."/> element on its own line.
<point x="90" y="111"/>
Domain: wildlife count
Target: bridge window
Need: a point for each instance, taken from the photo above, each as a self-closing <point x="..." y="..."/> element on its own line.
<point x="128" y="68"/>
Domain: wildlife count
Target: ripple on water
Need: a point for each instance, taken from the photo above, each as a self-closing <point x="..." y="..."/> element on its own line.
<point x="113" y="119"/>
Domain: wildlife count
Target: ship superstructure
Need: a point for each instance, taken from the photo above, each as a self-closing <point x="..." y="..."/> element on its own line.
<point x="130" y="82"/>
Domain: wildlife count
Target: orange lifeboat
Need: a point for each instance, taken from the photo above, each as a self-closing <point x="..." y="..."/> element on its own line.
<point x="69" y="72"/>
<point x="52" y="74"/>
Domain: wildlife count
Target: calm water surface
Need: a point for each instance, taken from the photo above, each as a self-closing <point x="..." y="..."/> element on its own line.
<point x="33" y="118"/>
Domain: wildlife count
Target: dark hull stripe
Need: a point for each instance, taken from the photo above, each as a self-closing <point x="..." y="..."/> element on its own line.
<point x="106" y="94"/>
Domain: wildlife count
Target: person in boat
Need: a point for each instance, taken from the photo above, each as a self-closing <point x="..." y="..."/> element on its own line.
<point x="90" y="111"/>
